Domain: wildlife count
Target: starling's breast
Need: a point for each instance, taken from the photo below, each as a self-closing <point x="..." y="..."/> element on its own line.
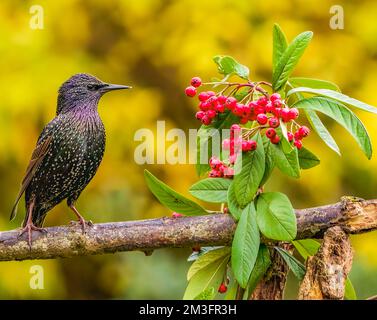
<point x="76" y="152"/>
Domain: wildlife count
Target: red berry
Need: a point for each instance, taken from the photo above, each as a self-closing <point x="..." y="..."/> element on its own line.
<point x="226" y="144"/>
<point x="269" y="107"/>
<point x="211" y="114"/>
<point x="275" y="96"/>
<point x="262" y="118"/>
<point x="285" y="114"/>
<point x="220" y="108"/>
<point x="259" y="110"/>
<point x="304" y="131"/>
<point x="196" y="249"/>
<point x="196" y="82"/>
<point x="293" y="113"/>
<point x="297" y="135"/>
<point x="214" y="174"/>
<point x="203" y="96"/>
<point x="204" y="105"/>
<point x="176" y="215"/>
<point x="262" y="101"/>
<point x="290" y="136"/>
<point x="226" y="210"/>
<point x="238" y="109"/>
<point x="230" y="103"/>
<point x="228" y="172"/>
<point x="276" y="112"/>
<point x="270" y="133"/>
<point x="223" y="288"/>
<point x="245" y="146"/>
<point x="244" y="120"/>
<point x="274" y="122"/>
<point x="275" y="139"/>
<point x="190" y="91"/>
<point x="278" y="103"/>
<point x="252" y="145"/>
<point x="199" y="115"/>
<point x="232" y="159"/>
<point x="298" y="144"/>
<point x="215" y="163"/>
<point x="221" y="99"/>
<point x="235" y="127"/>
<point x="206" y="120"/>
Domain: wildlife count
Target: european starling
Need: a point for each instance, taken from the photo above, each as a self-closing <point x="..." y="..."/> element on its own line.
<point x="68" y="152"/>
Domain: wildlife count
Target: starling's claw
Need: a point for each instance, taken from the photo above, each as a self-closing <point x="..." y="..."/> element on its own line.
<point x="29" y="228"/>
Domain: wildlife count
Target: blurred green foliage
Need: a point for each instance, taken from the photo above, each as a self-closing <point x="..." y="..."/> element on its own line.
<point x="157" y="46"/>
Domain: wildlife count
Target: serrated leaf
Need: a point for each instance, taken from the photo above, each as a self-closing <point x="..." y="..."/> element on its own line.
<point x="296" y="266"/>
<point x="290" y="59"/>
<point x="170" y="198"/>
<point x="276" y="217"/>
<point x="211" y="189"/>
<point x="227" y="66"/>
<point x="313" y="83"/>
<point x="262" y="264"/>
<point x="206" y="259"/>
<point x="286" y="162"/>
<point x="210" y="276"/>
<point x="343" y="116"/>
<point x="249" y="169"/>
<point x="307" y="159"/>
<point x="279" y="44"/>
<point x="321" y="130"/>
<point x="336" y="96"/>
<point x="306" y="247"/>
<point x="234" y="207"/>
<point x="245" y="245"/>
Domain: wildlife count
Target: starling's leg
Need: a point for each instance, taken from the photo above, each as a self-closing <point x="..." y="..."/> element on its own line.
<point x="29" y="227"/>
<point x="80" y="217"/>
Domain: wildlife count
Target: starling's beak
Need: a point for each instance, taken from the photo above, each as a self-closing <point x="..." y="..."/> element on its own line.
<point x="111" y="87"/>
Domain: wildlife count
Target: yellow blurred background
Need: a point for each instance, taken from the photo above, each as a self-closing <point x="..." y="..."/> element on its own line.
<point x="157" y="46"/>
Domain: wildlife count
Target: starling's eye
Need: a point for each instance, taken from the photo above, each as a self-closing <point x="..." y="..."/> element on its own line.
<point x="93" y="87"/>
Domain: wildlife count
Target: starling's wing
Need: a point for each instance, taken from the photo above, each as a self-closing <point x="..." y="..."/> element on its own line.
<point x="36" y="158"/>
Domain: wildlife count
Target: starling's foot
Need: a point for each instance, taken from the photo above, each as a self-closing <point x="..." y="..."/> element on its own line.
<point x="83" y="224"/>
<point x="29" y="228"/>
<point x="81" y="219"/>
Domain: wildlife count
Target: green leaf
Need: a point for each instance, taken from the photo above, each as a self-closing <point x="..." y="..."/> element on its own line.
<point x="350" y="293"/>
<point x="286" y="162"/>
<point x="227" y="66"/>
<point x="336" y="96"/>
<point x="203" y="250"/>
<point x="170" y="198"/>
<point x="290" y="59"/>
<point x="343" y="116"/>
<point x="296" y="266"/>
<point x="279" y="44"/>
<point x="249" y="169"/>
<point x="321" y="130"/>
<point x="207" y="135"/>
<point x="245" y="245"/>
<point x="307" y="159"/>
<point x="206" y="259"/>
<point x="269" y="160"/>
<point x="262" y="264"/>
<point x="313" y="83"/>
<point x="232" y="291"/>
<point x="234" y="207"/>
<point x="211" y="276"/>
<point x="207" y="294"/>
<point x="306" y="247"/>
<point x="211" y="189"/>
<point x="276" y="217"/>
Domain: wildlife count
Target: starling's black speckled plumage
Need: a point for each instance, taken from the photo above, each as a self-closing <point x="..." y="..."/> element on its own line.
<point x="68" y="152"/>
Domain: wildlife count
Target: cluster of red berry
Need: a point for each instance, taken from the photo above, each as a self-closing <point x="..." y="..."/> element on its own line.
<point x="267" y="111"/>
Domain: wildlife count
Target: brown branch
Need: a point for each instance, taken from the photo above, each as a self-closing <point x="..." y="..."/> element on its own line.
<point x="351" y="214"/>
<point x="271" y="287"/>
<point x="327" y="271"/>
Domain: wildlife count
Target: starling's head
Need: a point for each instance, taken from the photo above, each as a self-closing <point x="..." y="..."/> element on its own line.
<point x="83" y="91"/>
